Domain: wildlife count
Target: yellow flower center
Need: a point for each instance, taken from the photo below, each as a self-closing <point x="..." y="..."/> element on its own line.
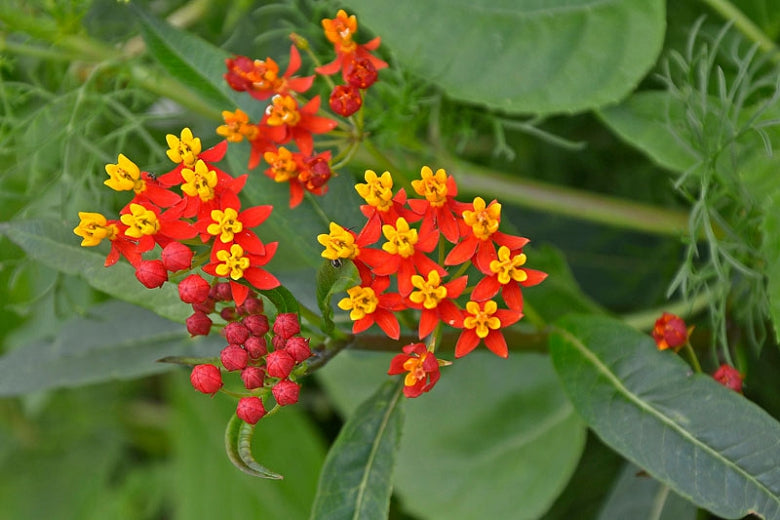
<point x="184" y="149"/>
<point x="414" y="365"/>
<point x="265" y="75"/>
<point x="282" y="164"/>
<point x="430" y="292"/>
<point x="124" y="176"/>
<point x="140" y="221"/>
<point x="237" y="126"/>
<point x="482" y="319"/>
<point x="339" y="31"/>
<point x="234" y="263"/>
<point x="360" y="301"/>
<point x="508" y="267"/>
<point x="283" y="110"/>
<point x="226" y="224"/>
<point x="483" y="220"/>
<point x="400" y="239"/>
<point x="432" y="186"/>
<point x="93" y="228"/>
<point x="199" y="182"/>
<point x="377" y="191"/>
<point x="339" y="243"/>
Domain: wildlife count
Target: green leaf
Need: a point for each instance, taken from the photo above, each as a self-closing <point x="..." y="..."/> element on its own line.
<point x="487" y="426"/>
<point x="333" y="279"/>
<point x="645" y="120"/>
<point x="196" y="63"/>
<point x="710" y="444"/>
<point x="523" y="56"/>
<point x="770" y="248"/>
<point x="356" y="480"/>
<point x="114" y="341"/>
<point x="283" y="299"/>
<point x="238" y="444"/>
<point x="54" y="245"/>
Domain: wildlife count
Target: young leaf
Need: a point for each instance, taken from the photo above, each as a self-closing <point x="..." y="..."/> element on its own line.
<point x="333" y="278"/>
<point x="708" y="443"/>
<point x="238" y="444"/>
<point x="357" y="478"/>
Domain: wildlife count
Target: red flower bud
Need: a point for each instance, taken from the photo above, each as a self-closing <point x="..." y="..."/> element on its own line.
<point x="316" y="174"/>
<point x="256" y="346"/>
<point x="251" y="306"/>
<point x="257" y="324"/>
<point x="280" y="363"/>
<point x="345" y="100"/>
<point x="253" y="377"/>
<point x="205" y="307"/>
<point x="729" y="377"/>
<point x="235" y="332"/>
<point x="286" y="392"/>
<point x="194" y="289"/>
<point x="298" y="348"/>
<point x="250" y="409"/>
<point x="228" y="313"/>
<point x="151" y="273"/>
<point x="222" y="292"/>
<point x="234" y="357"/>
<point x="278" y="342"/>
<point x="206" y="379"/>
<point x="361" y="73"/>
<point x="176" y="256"/>
<point x="670" y="332"/>
<point x="286" y="325"/>
<point x="199" y="324"/>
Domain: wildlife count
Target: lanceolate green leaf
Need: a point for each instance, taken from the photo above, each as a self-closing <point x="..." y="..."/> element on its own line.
<point x="333" y="278"/>
<point x="238" y="444"/>
<point x="283" y="299"/>
<point x="357" y="478"/>
<point x="523" y="55"/>
<point x="710" y="444"/>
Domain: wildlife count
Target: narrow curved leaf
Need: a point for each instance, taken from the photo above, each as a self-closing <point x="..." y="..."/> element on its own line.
<point x="238" y="444"/>
<point x="357" y="478"/>
<point x="710" y="444"/>
<point x="524" y="55"/>
<point x="333" y="278"/>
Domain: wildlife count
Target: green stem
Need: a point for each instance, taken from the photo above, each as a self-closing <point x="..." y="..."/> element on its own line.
<point x="745" y="25"/>
<point x="692" y="356"/>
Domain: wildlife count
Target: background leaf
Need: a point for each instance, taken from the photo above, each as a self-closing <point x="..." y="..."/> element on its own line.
<point x="356" y="481"/>
<point x="523" y="56"/>
<point x="333" y="280"/>
<point x="648" y="406"/>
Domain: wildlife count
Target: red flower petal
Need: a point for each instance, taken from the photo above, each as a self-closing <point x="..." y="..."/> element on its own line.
<point x="486" y="288"/>
<point x="239" y="291"/>
<point x="428" y="320"/>
<point x="534" y="277"/>
<point x="513" y="296"/>
<point x="467" y="341"/>
<point x="450" y="314"/>
<point x="388" y="323"/>
<point x="255" y="216"/>
<point x="215" y="153"/>
<point x="497" y="344"/>
<point x="462" y="252"/>
<point x="260" y="278"/>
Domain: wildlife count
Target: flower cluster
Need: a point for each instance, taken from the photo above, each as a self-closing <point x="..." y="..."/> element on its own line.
<point x="289" y="117"/>
<point x="401" y="274"/>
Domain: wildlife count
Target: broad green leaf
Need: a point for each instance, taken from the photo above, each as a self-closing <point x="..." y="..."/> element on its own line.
<point x="523" y="56"/>
<point x="283" y="299"/>
<point x="645" y="121"/>
<point x="333" y="278"/>
<point x="196" y="63"/>
<point x="639" y="497"/>
<point x="487" y="426"/>
<point x="54" y="245"/>
<point x="708" y="443"/>
<point x="238" y="445"/>
<point x="356" y="480"/>
<point x="114" y="340"/>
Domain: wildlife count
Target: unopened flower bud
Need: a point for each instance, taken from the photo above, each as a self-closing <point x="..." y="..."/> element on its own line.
<point x="345" y="100"/>
<point x="228" y="313"/>
<point x="257" y="324"/>
<point x="206" y="379"/>
<point x="286" y="392"/>
<point x="250" y="409"/>
<point x="194" y="289"/>
<point x="729" y="377"/>
<point x="151" y="273"/>
<point x="298" y="348"/>
<point x="278" y="342"/>
<point x="279" y="364"/>
<point x="234" y="357"/>
<point x="318" y="173"/>
<point x="199" y="324"/>
<point x="670" y="332"/>
<point x="221" y="292"/>
<point x="206" y="307"/>
<point x="361" y="73"/>
<point x="286" y="325"/>
<point x="253" y="377"/>
<point x="235" y="332"/>
<point x="251" y="306"/>
<point x="176" y="256"/>
<point x="256" y="346"/>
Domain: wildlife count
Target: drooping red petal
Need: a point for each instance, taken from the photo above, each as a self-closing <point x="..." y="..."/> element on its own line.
<point x="215" y="153"/>
<point x="177" y="229"/>
<point x="428" y="239"/>
<point x="260" y="278"/>
<point x="455" y="287"/>
<point x="486" y="288"/>
<point x="534" y="277"/>
<point x="372" y="230"/>
<point x="397" y="364"/>
<point x="250" y="243"/>
<point x="419" y="206"/>
<point x="254" y="216"/>
<point x="448" y="224"/>
<point x="513" y="296"/>
<point x="300" y="84"/>
<point x="388" y="323"/>
<point x="497" y="344"/>
<point x="239" y="291"/>
<point x="382" y="262"/>
<point x="319" y="125"/>
<point x="229" y="199"/>
<point x="160" y="196"/>
<point x="330" y="68"/>
<point x="428" y="321"/>
<point x="463" y="251"/>
<point x="296" y="193"/>
<point x="467" y="341"/>
<point x="425" y="265"/>
<point x="303" y="139"/>
<point x="511" y="241"/>
<point x="295" y="62"/>
<point x="486" y="253"/>
<point x="508" y="316"/>
<point x="363" y="323"/>
<point x="450" y="314"/>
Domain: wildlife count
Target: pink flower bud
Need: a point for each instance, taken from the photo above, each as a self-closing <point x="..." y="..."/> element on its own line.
<point x="729" y="377"/>
<point x="206" y="307"/>
<point x="279" y="364"/>
<point x="286" y="392"/>
<point x="151" y="273"/>
<point x="278" y="342"/>
<point x="257" y="324"/>
<point x="251" y="306"/>
<point x="298" y="348"/>
<point x="199" y="324"/>
<point x="250" y="409"/>
<point x="176" y="256"/>
<point x="345" y="100"/>
<point x="317" y="173"/>
<point x="206" y="379"/>
<point x="286" y="325"/>
<point x="256" y="346"/>
<point x="253" y="377"/>
<point x="228" y="313"/>
<point x="361" y="73"/>
<point x="234" y="357"/>
<point x="194" y="289"/>
<point x="222" y="292"/>
<point x="235" y="332"/>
